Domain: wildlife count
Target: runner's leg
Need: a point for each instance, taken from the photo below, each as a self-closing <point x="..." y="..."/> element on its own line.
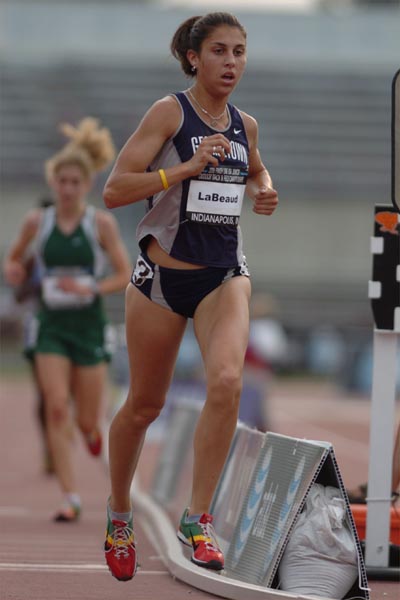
<point x="54" y="372"/>
<point x="88" y="384"/>
<point x="221" y="324"/>
<point x="153" y="337"/>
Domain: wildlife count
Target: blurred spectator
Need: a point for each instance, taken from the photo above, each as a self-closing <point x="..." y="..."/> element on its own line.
<point x="28" y="295"/>
<point x="326" y="351"/>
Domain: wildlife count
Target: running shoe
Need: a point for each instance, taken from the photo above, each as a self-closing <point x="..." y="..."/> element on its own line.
<point x="201" y="537"/>
<point x="120" y="550"/>
<point x="68" y="513"/>
<point x="94" y="442"/>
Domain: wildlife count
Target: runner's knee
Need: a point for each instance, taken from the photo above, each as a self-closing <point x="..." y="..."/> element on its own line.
<point x="144" y="416"/>
<point x="57" y="412"/>
<point x="224" y="387"/>
<point x="142" y="410"/>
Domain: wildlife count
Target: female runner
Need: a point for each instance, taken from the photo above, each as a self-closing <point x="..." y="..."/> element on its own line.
<point x="71" y="345"/>
<point x="193" y="156"/>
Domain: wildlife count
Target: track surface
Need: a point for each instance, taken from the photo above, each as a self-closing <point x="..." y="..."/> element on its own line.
<point x="41" y="560"/>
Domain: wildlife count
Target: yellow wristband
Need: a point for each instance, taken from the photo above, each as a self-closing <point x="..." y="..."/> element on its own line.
<point x="163" y="179"/>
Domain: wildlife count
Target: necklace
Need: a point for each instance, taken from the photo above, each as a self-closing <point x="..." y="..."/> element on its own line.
<point x="214" y="120"/>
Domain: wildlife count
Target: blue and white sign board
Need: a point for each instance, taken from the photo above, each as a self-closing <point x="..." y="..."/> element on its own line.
<point x="260" y="497"/>
<point x="176" y="448"/>
<point x="283" y="474"/>
<point x="235" y="481"/>
<point x="284" y="470"/>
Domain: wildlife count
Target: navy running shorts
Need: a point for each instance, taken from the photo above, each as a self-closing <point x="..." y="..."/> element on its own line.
<point x="180" y="290"/>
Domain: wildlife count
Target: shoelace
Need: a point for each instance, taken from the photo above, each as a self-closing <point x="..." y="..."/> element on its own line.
<point x="121" y="538"/>
<point x="209" y="533"/>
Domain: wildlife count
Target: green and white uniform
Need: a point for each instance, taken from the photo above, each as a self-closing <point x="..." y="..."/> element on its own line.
<point x="68" y="324"/>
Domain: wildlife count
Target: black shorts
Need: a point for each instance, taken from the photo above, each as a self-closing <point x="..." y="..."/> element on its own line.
<point x="180" y="290"/>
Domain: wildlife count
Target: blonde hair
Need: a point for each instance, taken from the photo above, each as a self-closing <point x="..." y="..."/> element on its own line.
<point x="90" y="148"/>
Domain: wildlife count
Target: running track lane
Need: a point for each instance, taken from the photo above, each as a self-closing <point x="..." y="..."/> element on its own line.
<point x="41" y="560"/>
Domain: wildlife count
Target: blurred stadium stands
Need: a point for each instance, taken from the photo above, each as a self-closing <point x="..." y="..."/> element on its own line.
<point x="323" y="133"/>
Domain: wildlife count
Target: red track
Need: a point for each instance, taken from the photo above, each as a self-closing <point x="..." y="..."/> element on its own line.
<point x="41" y="560"/>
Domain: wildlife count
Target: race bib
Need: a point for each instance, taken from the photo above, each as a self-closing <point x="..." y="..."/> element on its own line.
<point x="216" y="197"/>
<point x="55" y="298"/>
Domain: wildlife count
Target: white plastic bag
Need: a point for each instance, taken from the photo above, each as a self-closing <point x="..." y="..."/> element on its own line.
<point x="321" y="556"/>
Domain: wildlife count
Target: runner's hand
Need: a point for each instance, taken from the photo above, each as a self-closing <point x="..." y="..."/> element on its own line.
<point x="14" y="273"/>
<point x="265" y="201"/>
<point x="212" y="150"/>
<point x="68" y="284"/>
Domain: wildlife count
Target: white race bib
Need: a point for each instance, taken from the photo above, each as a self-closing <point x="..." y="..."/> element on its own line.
<point x="214" y="204"/>
<point x="55" y="298"/>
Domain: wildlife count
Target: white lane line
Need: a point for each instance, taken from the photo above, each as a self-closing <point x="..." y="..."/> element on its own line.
<point x="23" y="511"/>
<point x="65" y="568"/>
<point x="14" y="511"/>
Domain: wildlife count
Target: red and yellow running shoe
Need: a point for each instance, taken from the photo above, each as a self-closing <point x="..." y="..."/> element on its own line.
<point x="120" y="549"/>
<point x="201" y="536"/>
<point x="94" y="442"/>
<point x="68" y="513"/>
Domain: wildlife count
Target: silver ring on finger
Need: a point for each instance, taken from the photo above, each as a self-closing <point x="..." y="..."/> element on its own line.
<point x="214" y="149"/>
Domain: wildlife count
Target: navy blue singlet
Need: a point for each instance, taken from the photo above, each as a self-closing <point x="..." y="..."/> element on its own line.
<point x="197" y="220"/>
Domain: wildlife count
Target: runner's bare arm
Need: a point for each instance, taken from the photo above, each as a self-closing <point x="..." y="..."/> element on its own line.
<point x="110" y="240"/>
<point x="13" y="264"/>
<point x="259" y="183"/>
<point x="129" y="182"/>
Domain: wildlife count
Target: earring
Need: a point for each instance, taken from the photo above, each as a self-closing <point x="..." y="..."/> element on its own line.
<point x="193" y="69"/>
